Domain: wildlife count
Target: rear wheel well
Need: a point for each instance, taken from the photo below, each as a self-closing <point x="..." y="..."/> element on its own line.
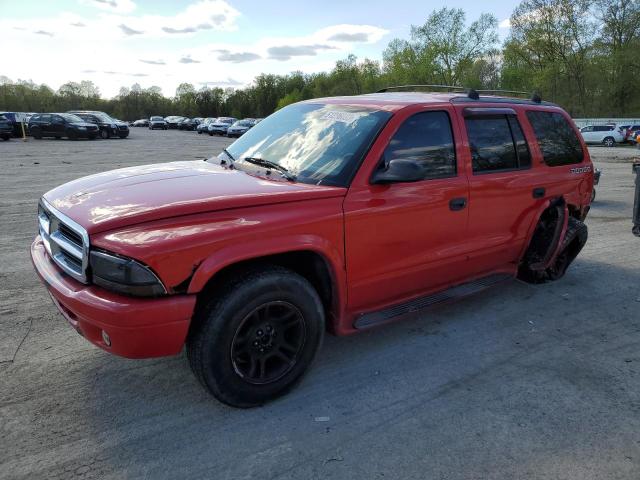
<point x="308" y="264"/>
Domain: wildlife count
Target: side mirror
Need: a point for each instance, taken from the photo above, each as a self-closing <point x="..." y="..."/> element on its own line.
<point x="399" y="170"/>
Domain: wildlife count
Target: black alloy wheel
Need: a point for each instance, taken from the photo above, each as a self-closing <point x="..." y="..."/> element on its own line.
<point x="268" y="342"/>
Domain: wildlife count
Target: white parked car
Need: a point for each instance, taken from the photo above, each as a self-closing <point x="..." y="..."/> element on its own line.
<point x="607" y="135"/>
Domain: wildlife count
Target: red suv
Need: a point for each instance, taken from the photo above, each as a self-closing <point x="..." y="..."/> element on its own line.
<point x="334" y="214"/>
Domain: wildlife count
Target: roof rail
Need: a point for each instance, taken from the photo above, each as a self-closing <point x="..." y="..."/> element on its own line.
<point x="408" y="87"/>
<point x="471" y="93"/>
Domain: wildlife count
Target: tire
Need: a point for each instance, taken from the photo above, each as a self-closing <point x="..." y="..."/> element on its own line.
<point x="92" y="137"/>
<point x="123" y="136"/>
<point x="609" y="142"/>
<point x="211" y="134"/>
<point x="5" y="138"/>
<point x="593" y="195"/>
<point x="572" y="243"/>
<point x="104" y="134"/>
<point x="36" y="134"/>
<point x="240" y="347"/>
<point x="58" y="137"/>
<point x="199" y="132"/>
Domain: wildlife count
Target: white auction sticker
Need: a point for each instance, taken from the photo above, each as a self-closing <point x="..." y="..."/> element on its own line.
<point x="344" y="117"/>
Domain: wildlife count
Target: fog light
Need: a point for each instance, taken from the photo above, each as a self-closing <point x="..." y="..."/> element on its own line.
<point x="106" y="339"/>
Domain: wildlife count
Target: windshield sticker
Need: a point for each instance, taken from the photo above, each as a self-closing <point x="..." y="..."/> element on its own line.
<point x="344" y="117"/>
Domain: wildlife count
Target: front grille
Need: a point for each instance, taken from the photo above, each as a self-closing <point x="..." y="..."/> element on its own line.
<point x="123" y="127"/>
<point x="66" y="242"/>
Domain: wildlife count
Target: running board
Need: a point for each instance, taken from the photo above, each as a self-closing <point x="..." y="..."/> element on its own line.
<point x="371" y="319"/>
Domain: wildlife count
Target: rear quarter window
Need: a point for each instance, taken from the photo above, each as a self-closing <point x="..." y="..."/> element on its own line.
<point x="557" y="140"/>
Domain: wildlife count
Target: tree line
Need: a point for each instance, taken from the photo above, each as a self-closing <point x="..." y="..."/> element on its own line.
<point x="581" y="54"/>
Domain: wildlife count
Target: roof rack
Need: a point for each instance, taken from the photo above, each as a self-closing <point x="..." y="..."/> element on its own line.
<point x="471" y="93"/>
<point x="414" y="87"/>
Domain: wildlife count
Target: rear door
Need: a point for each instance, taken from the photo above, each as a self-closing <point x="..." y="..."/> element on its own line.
<point x="403" y="239"/>
<point x="505" y="191"/>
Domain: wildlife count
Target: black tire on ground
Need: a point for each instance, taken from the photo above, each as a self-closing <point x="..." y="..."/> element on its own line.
<point x="609" y="142"/>
<point x="573" y="242"/>
<point x="254" y="340"/>
<point x="58" y="137"/>
<point x="92" y="137"/>
<point x="5" y="138"/>
<point x="593" y="195"/>
<point x="105" y="134"/>
<point x="36" y="134"/>
<point x="123" y="136"/>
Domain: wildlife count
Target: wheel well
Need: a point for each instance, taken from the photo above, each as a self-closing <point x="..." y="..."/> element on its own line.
<point x="308" y="264"/>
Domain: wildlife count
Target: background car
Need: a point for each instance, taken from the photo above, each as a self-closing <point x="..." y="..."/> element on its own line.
<point x="143" y="122"/>
<point x="60" y="125"/>
<point x="109" y="127"/>
<point x="157" y="122"/>
<point x="189" y="124"/>
<point x="240" y="127"/>
<point x="204" y="124"/>
<point x="6" y="128"/>
<point x="221" y="125"/>
<point x="607" y="135"/>
<point x="173" y="121"/>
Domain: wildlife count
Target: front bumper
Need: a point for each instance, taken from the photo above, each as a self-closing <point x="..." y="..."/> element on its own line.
<point x="137" y="327"/>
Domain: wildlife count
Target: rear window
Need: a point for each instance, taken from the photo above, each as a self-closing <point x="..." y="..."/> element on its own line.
<point x="497" y="144"/>
<point x="558" y="141"/>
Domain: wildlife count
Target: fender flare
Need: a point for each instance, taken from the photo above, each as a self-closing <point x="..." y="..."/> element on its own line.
<point x="258" y="248"/>
<point x="558" y="235"/>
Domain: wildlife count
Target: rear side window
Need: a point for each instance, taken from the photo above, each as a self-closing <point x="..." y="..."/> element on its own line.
<point x="558" y="141"/>
<point x="497" y="144"/>
<point x="425" y="137"/>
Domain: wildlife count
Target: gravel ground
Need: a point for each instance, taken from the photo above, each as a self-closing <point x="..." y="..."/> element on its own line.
<point x="522" y="382"/>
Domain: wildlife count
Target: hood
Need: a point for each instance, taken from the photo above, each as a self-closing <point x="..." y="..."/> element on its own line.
<point x="129" y="196"/>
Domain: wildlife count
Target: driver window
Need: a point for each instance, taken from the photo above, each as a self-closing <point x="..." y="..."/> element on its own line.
<point x="426" y="138"/>
<point x="57" y="119"/>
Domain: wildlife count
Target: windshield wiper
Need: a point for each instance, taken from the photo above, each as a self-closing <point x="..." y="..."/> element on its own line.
<point x="226" y="152"/>
<point x="269" y="164"/>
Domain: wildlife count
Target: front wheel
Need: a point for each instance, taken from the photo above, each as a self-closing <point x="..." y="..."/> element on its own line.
<point x="104" y="134"/>
<point x="609" y="142"/>
<point x="255" y="340"/>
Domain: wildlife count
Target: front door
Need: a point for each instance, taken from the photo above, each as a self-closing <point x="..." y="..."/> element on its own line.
<point x="404" y="239"/>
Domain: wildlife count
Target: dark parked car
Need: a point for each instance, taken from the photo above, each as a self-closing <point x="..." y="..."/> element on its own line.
<point x="60" y="125"/>
<point x="143" y="122"/>
<point x="174" y="121"/>
<point x="16" y="119"/>
<point x="109" y="127"/>
<point x="6" y="128"/>
<point x="188" y="124"/>
<point x="157" y="122"/>
<point x="240" y="127"/>
<point x="221" y="125"/>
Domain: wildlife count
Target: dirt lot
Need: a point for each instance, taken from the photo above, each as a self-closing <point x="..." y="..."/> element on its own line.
<point x="521" y="382"/>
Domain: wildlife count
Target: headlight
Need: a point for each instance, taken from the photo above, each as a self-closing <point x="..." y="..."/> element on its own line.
<point x="113" y="125"/>
<point x="124" y="275"/>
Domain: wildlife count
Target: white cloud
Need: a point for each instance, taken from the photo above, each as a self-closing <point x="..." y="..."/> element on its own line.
<point x="505" y="24"/>
<point x="119" y="6"/>
<point x="351" y="33"/>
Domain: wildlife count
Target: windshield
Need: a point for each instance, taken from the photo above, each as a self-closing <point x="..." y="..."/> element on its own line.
<point x="103" y="117"/>
<point x="157" y="119"/>
<point x="242" y="124"/>
<point x="318" y="143"/>
<point x="72" y="118"/>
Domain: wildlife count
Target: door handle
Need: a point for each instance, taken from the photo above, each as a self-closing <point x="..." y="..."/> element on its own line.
<point x="457" y="204"/>
<point x="539" y="192"/>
